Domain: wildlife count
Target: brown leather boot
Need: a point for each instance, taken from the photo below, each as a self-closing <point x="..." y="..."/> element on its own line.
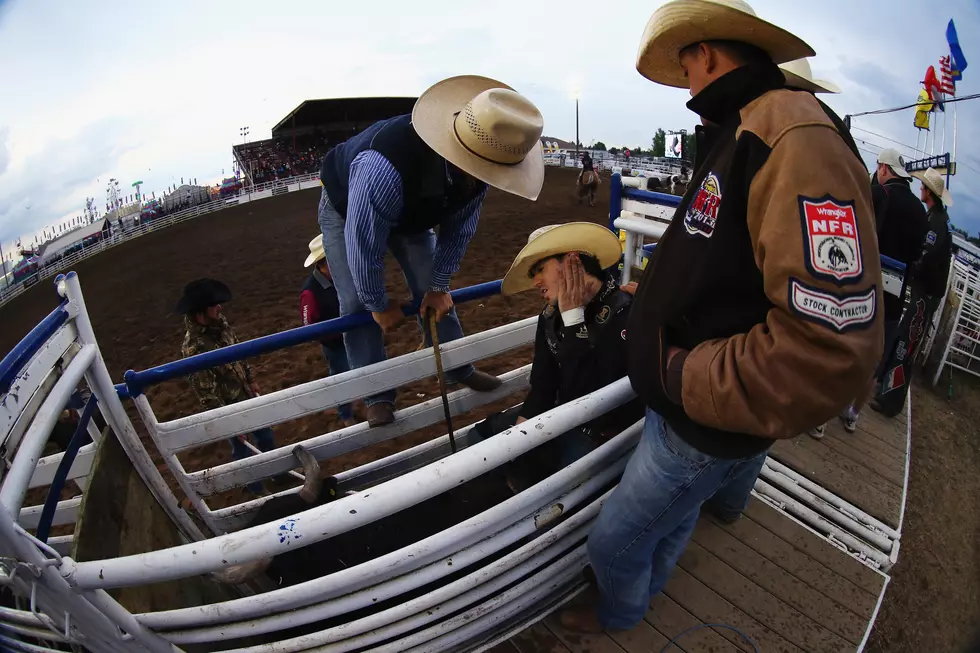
<point x="481" y="381"/>
<point x="380" y="414"/>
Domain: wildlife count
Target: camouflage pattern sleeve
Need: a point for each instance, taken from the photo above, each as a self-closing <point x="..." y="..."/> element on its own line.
<point x="205" y="384"/>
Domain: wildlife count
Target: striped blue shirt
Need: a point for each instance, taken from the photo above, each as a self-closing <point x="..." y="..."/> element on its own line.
<point x="374" y="206"/>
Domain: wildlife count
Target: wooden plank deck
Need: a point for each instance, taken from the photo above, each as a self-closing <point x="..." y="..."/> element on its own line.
<point x="866" y="468"/>
<point x="767" y="575"/>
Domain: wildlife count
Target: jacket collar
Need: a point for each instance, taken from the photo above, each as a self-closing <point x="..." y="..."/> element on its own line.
<point x="722" y="99"/>
<point x="211" y="330"/>
<point x="324" y="282"/>
<point x="896" y="181"/>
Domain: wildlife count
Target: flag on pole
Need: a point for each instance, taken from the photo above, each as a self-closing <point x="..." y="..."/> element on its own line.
<point x="931" y="83"/>
<point x="956" y="53"/>
<point x="946" y="83"/>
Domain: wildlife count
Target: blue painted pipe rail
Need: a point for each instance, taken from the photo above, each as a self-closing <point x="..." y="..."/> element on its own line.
<point x="79" y="438"/>
<point x="653" y="197"/>
<point x="17" y="358"/>
<point x="137" y="382"/>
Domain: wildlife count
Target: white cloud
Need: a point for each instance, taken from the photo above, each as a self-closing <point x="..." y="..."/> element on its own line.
<point x="171" y="83"/>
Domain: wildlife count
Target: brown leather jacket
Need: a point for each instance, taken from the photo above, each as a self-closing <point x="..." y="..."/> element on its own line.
<point x="768" y="278"/>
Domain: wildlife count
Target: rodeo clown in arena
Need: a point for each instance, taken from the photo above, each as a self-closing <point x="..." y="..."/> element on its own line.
<point x="757" y="318"/>
<point x="580" y="344"/>
<point x="387" y="187"/>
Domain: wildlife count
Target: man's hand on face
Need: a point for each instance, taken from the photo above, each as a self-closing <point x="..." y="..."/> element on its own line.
<point x="572" y="288"/>
<point x="389" y="318"/>
<point x="440" y="302"/>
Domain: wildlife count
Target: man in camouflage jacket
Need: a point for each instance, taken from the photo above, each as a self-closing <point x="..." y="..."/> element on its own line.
<point x="207" y="330"/>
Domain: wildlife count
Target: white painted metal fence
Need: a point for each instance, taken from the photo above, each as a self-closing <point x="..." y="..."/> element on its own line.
<point x="261" y="191"/>
<point x="522" y="557"/>
<point x="961" y="350"/>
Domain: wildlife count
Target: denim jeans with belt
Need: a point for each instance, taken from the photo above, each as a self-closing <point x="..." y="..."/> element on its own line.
<point x="645" y="525"/>
<point x="414" y="253"/>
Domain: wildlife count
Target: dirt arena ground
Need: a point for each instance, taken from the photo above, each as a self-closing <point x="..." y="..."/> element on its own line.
<point x="258" y="250"/>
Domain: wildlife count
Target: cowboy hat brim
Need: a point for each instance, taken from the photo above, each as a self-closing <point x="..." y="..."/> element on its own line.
<point x="943" y="194"/>
<point x="316" y="251"/>
<point x="313" y="258"/>
<point x="678" y="24"/>
<point x="433" y="117"/>
<point x="811" y="85"/>
<point x="200" y="294"/>
<point x="582" y="237"/>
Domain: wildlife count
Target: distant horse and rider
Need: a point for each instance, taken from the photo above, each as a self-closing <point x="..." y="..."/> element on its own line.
<point x="588" y="180"/>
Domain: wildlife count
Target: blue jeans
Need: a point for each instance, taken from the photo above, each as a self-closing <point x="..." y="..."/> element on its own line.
<point x="337" y="360"/>
<point x="732" y="498"/>
<point x="263" y="440"/>
<point x="642" y="529"/>
<point x="414" y="253"/>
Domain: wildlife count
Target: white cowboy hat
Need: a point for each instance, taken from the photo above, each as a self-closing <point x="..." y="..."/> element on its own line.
<point x="552" y="240"/>
<point x="316" y="251"/>
<point x="798" y="75"/>
<point x="933" y="180"/>
<point x="484" y="128"/>
<point x="680" y="23"/>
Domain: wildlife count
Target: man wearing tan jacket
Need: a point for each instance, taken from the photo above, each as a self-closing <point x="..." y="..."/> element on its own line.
<point x="757" y="317"/>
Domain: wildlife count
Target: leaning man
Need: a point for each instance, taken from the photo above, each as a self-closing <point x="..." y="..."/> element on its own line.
<point x="388" y="188"/>
<point x="757" y="317"/>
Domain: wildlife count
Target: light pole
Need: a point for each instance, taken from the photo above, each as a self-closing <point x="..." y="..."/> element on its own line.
<point x="248" y="173"/>
<point x="576" y="94"/>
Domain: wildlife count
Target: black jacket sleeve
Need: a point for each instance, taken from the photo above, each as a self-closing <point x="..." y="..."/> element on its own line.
<point x="545" y="378"/>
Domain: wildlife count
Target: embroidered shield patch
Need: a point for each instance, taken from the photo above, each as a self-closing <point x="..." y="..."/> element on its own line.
<point x="831" y="244"/>
<point x="702" y="214"/>
<point x="602" y="315"/>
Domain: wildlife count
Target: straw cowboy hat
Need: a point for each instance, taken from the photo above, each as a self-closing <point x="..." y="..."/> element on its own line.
<point x="555" y="239"/>
<point x="486" y="129"/>
<point x="678" y="24"/>
<point x="316" y="251"/>
<point x="934" y="181"/>
<point x="798" y="75"/>
<point x="201" y="293"/>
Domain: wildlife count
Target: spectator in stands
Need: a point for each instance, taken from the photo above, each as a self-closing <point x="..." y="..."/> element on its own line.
<point x="206" y="330"/>
<point x="580" y="345"/>
<point x="318" y="302"/>
<point x="387" y="187"/>
<point x="733" y="337"/>
<point x="901" y="225"/>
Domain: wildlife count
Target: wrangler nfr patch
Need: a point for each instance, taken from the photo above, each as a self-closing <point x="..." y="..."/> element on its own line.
<point x="840" y="312"/>
<point x="831" y="243"/>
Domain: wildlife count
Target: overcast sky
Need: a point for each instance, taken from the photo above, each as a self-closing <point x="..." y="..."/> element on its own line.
<point x="157" y="91"/>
